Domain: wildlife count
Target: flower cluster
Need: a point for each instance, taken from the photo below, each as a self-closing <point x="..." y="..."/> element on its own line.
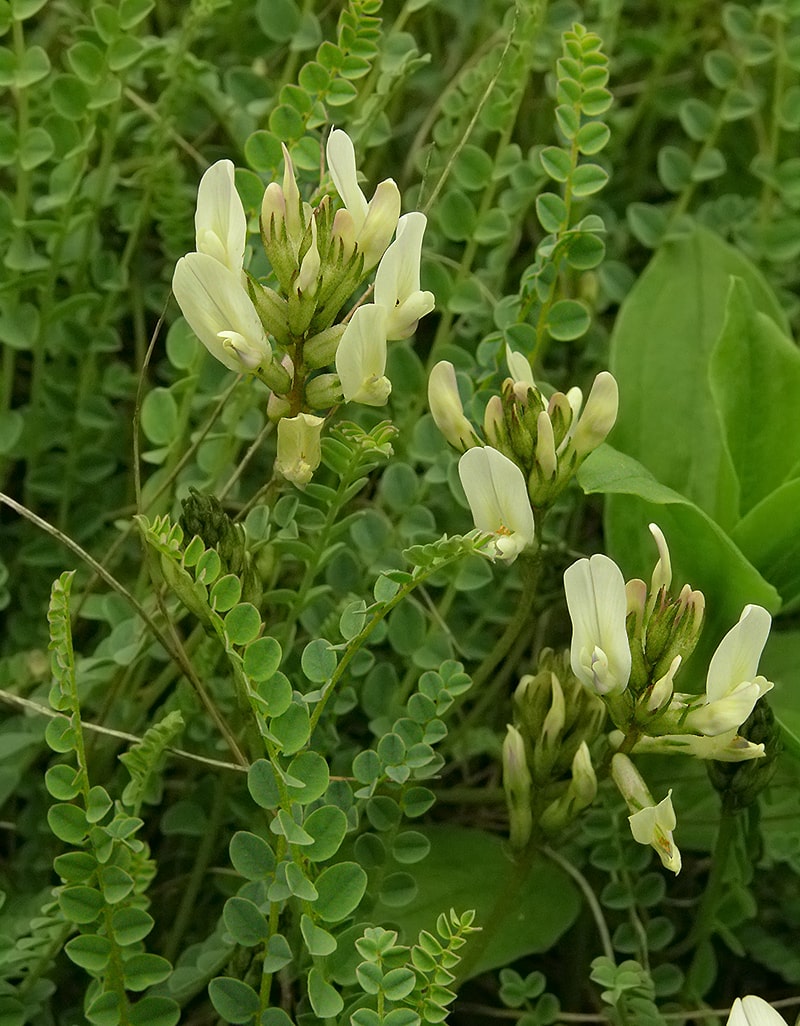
<point x="548" y="774"/>
<point x="628" y="644"/>
<point x="533" y="447"/>
<point x="289" y="336"/>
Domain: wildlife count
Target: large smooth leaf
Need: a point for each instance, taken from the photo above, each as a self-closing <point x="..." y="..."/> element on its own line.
<point x="702" y="553"/>
<point x="781" y="664"/>
<point x="660" y="350"/>
<point x="755" y="383"/>
<point x="468" y="869"/>
<point x="769" y="536"/>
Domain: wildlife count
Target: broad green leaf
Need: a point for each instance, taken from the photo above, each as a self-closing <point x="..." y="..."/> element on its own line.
<point x="131" y="925"/>
<point x="245" y="922"/>
<point x="341" y="887"/>
<point x="242" y="624"/>
<point x="568" y="319"/>
<point x="263" y="785"/>
<point x="154" y="1011"/>
<point x="325" y="999"/>
<point x="81" y="904"/>
<point x="755" y="383"/>
<point x="702" y="553"/>
<point x="89" y="951"/>
<point x="262" y="658"/>
<point x="663" y="339"/>
<point x="318" y="941"/>
<point x="318" y="661"/>
<point x="470" y="869"/>
<point x="278" y="954"/>
<point x="233" y="999"/>
<point x="104" y="1010"/>
<point x="68" y="823"/>
<point x="312" y="770"/>
<point x="143" y="970"/>
<point x="769" y="537"/>
<point x="292" y="728"/>
<point x="327" y="825"/>
<point x="251" y="856"/>
<point x="780" y="663"/>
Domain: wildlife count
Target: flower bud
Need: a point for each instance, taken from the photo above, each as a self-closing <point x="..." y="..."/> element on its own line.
<point x="323" y="391"/>
<point x="271" y="308"/>
<point x="320" y="350"/>
<point x="445" y="405"/>
<point x="517" y="785"/>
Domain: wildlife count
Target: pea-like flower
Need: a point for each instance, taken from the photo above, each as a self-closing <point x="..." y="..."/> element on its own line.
<point x="650" y="823"/>
<point x="220" y="313"/>
<point x="397" y="279"/>
<point x="361" y="357"/>
<point x="600" y="655"/>
<point x="498" y="497"/>
<point x="220" y="221"/>
<point x="733" y="685"/>
<point x="754" y="1011"/>
<point x="370" y="225"/>
<point x="299" y="449"/>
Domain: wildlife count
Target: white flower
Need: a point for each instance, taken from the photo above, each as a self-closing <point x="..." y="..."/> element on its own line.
<point x="519" y="367"/>
<point x="220" y="221"/>
<point x="299" y="451"/>
<point x="732" y="684"/>
<point x="650" y="823"/>
<point x="754" y="1011"/>
<point x="498" y="497"/>
<point x="370" y="224"/>
<point x="598" y="417"/>
<point x="445" y="405"/>
<point x="397" y="278"/>
<point x="220" y="313"/>
<point x="727" y="747"/>
<point x="600" y="654"/>
<point x="361" y="357"/>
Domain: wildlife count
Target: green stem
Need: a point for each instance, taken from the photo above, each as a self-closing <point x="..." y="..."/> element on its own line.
<point x="591" y="899"/>
<point x="705" y="921"/>
<point x="380" y="614"/>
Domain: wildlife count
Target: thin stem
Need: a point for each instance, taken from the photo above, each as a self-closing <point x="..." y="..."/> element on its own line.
<point x="173" y="648"/>
<point x="705" y="921"/>
<point x="589" y="895"/>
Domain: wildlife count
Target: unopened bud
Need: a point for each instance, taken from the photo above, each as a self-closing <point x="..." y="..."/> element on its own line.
<point x="494" y="425"/>
<point x="517" y="785"/>
<point x="546" y="462"/>
<point x="320" y="350"/>
<point x="445" y="406"/>
<point x="561" y="416"/>
<point x="271" y="308"/>
<point x="584" y="780"/>
<point x="324" y="391"/>
<point x="309" y="267"/>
